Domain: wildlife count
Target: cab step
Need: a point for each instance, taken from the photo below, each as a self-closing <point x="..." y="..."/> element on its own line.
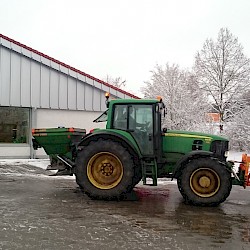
<point x="149" y="169"/>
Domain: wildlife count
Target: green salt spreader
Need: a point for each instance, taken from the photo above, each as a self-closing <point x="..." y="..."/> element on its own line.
<point x="60" y="144"/>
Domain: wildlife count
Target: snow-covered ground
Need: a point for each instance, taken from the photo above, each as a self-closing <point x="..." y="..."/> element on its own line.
<point x="25" y="167"/>
<point x="41" y="163"/>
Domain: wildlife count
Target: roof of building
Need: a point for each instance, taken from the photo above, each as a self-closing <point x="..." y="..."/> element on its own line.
<point x="67" y="66"/>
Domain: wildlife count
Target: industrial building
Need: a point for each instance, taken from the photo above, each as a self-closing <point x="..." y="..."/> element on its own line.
<point x="37" y="91"/>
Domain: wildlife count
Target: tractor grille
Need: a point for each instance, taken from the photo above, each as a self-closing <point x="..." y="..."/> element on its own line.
<point x="219" y="148"/>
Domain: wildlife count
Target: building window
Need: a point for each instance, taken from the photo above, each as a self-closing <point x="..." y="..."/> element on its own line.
<point x="14" y="125"/>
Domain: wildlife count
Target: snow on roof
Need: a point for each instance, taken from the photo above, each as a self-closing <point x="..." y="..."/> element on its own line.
<point x="67" y="66"/>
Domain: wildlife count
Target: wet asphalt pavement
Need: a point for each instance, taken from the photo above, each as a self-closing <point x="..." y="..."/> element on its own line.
<point x="38" y="211"/>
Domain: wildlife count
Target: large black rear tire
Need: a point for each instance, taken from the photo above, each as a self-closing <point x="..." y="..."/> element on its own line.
<point x="205" y="182"/>
<point x="105" y="170"/>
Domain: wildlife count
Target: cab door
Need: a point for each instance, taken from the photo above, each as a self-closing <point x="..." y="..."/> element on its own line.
<point x="140" y="125"/>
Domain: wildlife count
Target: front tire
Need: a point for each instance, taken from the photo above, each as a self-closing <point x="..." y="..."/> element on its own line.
<point x="105" y="170"/>
<point x="205" y="182"/>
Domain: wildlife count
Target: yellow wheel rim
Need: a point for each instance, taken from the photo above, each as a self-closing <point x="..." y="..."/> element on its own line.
<point x="104" y="170"/>
<point x="205" y="182"/>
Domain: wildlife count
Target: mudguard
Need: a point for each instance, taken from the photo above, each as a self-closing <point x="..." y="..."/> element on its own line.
<point x="134" y="149"/>
<point x="187" y="157"/>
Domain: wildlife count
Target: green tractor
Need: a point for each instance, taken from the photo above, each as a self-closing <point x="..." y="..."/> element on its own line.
<point x="109" y="162"/>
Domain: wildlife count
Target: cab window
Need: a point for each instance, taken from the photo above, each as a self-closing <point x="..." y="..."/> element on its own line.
<point x="120" y="117"/>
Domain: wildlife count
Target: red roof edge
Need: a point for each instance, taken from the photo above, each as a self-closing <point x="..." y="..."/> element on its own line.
<point x="68" y="66"/>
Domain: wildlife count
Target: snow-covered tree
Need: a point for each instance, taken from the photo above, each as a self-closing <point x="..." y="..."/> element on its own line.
<point x="246" y="97"/>
<point x="238" y="130"/>
<point x="223" y="72"/>
<point x="186" y="106"/>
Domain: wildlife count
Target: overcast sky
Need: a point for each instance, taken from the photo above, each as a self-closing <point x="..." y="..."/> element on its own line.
<point x="123" y="38"/>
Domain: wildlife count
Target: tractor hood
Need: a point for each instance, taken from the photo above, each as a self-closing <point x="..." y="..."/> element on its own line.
<point x="178" y="143"/>
<point x="197" y="135"/>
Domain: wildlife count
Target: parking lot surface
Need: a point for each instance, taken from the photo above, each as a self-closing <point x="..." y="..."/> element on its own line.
<point x="38" y="211"/>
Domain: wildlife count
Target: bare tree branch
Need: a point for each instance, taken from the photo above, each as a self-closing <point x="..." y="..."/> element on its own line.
<point x="117" y="81"/>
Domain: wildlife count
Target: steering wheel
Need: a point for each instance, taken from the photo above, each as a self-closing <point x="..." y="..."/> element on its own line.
<point x="145" y="126"/>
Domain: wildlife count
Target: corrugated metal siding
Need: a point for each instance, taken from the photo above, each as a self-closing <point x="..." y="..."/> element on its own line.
<point x="29" y="79"/>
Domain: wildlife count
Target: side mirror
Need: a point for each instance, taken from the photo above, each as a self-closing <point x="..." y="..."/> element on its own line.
<point x="107" y="103"/>
<point x="162" y="107"/>
<point x="164" y="130"/>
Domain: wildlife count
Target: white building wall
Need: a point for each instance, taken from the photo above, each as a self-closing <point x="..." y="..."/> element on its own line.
<point x="52" y="118"/>
<point x="21" y="151"/>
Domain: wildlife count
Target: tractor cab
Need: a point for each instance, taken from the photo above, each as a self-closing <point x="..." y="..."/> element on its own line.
<point x="140" y="118"/>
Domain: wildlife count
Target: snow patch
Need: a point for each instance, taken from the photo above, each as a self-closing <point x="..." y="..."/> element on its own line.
<point x="235" y="156"/>
<point x="11" y="170"/>
<point x="41" y="163"/>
